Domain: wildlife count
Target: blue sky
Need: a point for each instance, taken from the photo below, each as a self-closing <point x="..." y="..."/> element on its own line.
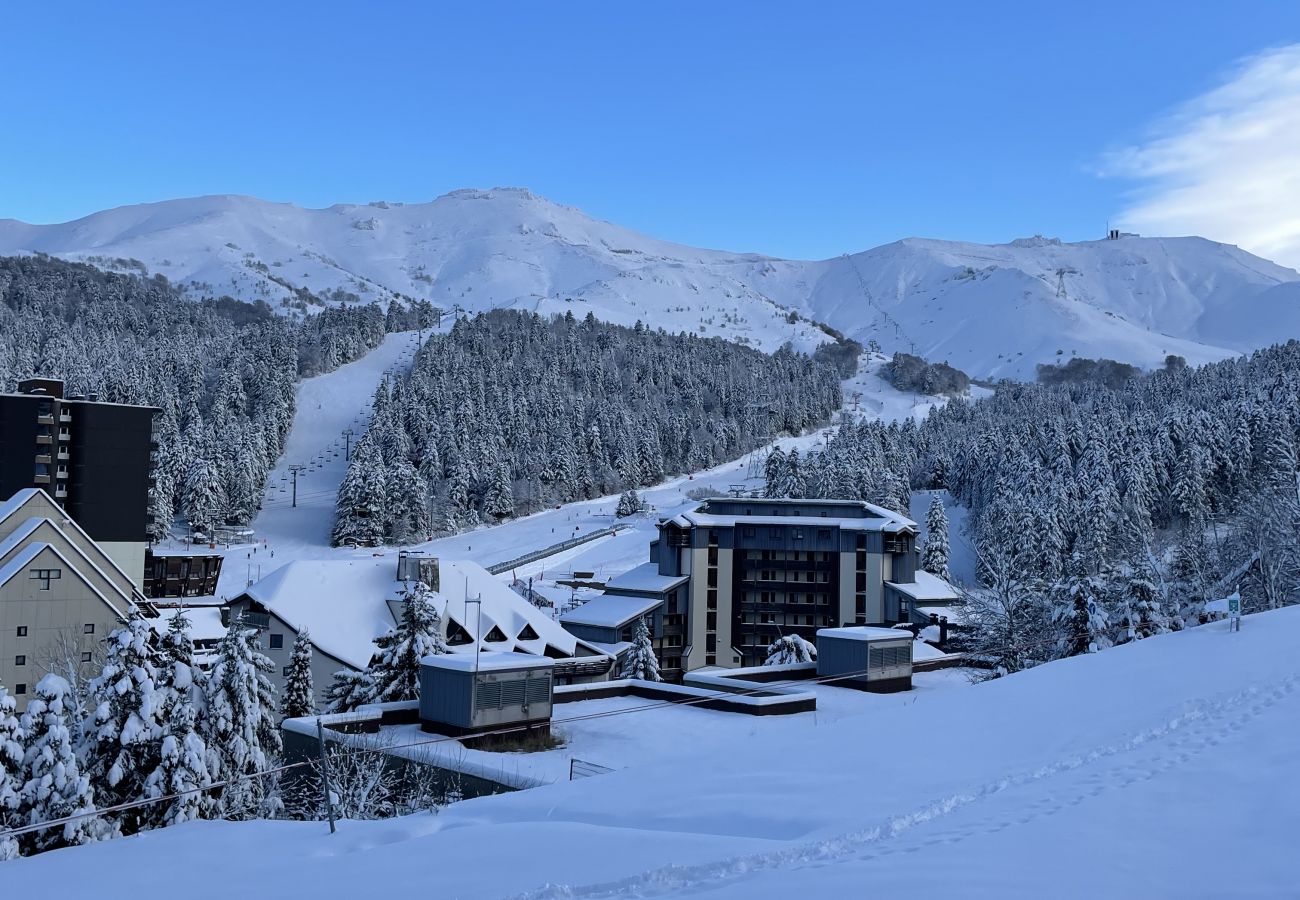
<point x="797" y="129"/>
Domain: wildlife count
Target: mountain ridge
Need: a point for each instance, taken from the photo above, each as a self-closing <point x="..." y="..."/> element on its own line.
<point x="995" y="310"/>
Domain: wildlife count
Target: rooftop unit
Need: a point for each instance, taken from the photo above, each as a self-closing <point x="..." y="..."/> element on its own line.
<point x="465" y="693"/>
<point x="871" y="659"/>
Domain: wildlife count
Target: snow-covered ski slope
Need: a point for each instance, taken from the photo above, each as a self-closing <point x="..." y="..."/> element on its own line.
<point x="992" y="310"/>
<point x="329" y="403"/>
<point x="1164" y="768"/>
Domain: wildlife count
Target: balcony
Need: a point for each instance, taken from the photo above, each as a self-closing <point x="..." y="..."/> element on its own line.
<point x="45" y="419"/>
<point x="44" y="439"/>
<point x="62" y="454"/>
<point x="60" y="491"/>
<point x="62" y="472"/>
<point x="895" y="545"/>
<point x="40" y="479"/>
<point x="64" y="434"/>
<point x="43" y="458"/>
<point x="65" y="416"/>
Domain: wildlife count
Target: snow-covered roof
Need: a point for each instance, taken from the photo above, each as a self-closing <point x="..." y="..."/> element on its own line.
<point x="486" y="662"/>
<point x="926" y="587"/>
<point x="645" y="577"/>
<point x="862" y="633"/>
<point x="205" y="622"/>
<point x="345" y="606"/>
<point x="875" y="518"/>
<point x="609" y="611"/>
<point x="955" y="613"/>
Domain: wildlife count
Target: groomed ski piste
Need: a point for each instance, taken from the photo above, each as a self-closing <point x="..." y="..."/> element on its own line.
<point x="1160" y="768"/>
<point x="331" y="403"/>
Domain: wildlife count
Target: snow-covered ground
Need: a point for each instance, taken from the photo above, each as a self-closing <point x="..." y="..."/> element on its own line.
<point x="1163" y="768"/>
<point x="648" y="732"/>
<point x="992" y="310"/>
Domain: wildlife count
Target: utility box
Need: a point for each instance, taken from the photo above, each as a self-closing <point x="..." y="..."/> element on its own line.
<point x="465" y="693"/>
<point x="871" y="659"/>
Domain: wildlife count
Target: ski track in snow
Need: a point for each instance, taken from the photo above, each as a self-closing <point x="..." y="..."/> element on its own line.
<point x="1194" y="730"/>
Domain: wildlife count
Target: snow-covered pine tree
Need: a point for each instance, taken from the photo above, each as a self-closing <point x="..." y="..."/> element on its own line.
<point x="11" y="772"/>
<point x="126" y="734"/>
<point x="299" y="694"/>
<point x="790" y="648"/>
<point x="640" y="661"/>
<point x="1080" y="610"/>
<point x="395" y="674"/>
<point x="203" y="499"/>
<point x="408" y="505"/>
<point x="934" y="558"/>
<point x="53" y="785"/>
<point x="629" y="504"/>
<point x="499" y="501"/>
<point x="241" y="722"/>
<point x="348" y="690"/>
<point x="186" y="763"/>
<point x="362" y="506"/>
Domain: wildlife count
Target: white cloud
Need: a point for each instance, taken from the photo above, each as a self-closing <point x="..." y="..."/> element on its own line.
<point x="1227" y="164"/>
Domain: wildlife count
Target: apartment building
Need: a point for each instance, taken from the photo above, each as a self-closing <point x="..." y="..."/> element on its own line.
<point x="730" y="575"/>
<point x="94" y="459"/>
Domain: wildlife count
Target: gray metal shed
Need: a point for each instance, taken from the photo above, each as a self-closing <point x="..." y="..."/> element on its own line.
<point x="873" y="659"/>
<point x="462" y="693"/>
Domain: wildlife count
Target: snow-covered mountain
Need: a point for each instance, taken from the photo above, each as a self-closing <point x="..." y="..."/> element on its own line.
<point x="991" y="310"/>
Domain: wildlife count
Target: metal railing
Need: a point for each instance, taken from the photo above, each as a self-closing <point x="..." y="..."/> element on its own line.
<point x="527" y="558"/>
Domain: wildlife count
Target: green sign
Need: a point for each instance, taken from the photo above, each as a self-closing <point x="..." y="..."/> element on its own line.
<point x="1234" y="605"/>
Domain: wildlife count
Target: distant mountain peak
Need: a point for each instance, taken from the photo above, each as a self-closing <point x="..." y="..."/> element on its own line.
<point x="992" y="310"/>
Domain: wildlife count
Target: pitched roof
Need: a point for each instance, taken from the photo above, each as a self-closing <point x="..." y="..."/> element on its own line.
<point x="610" y="611"/>
<point x="28" y="554"/>
<point x="26" y="495"/>
<point x="345" y="606"/>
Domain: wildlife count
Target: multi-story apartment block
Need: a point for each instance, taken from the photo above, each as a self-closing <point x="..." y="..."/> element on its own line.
<point x="94" y="459"/>
<point x="729" y="576"/>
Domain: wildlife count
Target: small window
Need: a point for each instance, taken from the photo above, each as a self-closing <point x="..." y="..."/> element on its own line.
<point x="749" y="531"/>
<point x="20" y="688"/>
<point x="709" y="660"/>
<point x="798" y="534"/>
<point x="774" y="531"/>
<point x="285" y="671"/>
<point x="20" y="660"/>
<point x="45" y="576"/>
<point x="277" y="642"/>
<point x="22" y="631"/>
<point x="88" y="628"/>
<point x="85" y="656"/>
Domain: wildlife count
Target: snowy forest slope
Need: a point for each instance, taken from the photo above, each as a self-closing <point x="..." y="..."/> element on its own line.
<point x="992" y="310"/>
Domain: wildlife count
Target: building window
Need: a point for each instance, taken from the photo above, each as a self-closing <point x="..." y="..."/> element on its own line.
<point x="45" y="576"/>
<point x="285" y="671"/>
<point x="713" y="538"/>
<point x="711" y="599"/>
<point x="798" y="534"/>
<point x="22" y="631"/>
<point x="88" y="628"/>
<point x="85" y="656"/>
<point x="774" y="531"/>
<point x="748" y="531"/>
<point x="20" y="660"/>
<point x="20" y="688"/>
<point x="823" y="534"/>
<point x="710" y="643"/>
<point x="713" y="556"/>
<point x="277" y="642"/>
<point x="713" y="578"/>
<point x="711" y="621"/>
